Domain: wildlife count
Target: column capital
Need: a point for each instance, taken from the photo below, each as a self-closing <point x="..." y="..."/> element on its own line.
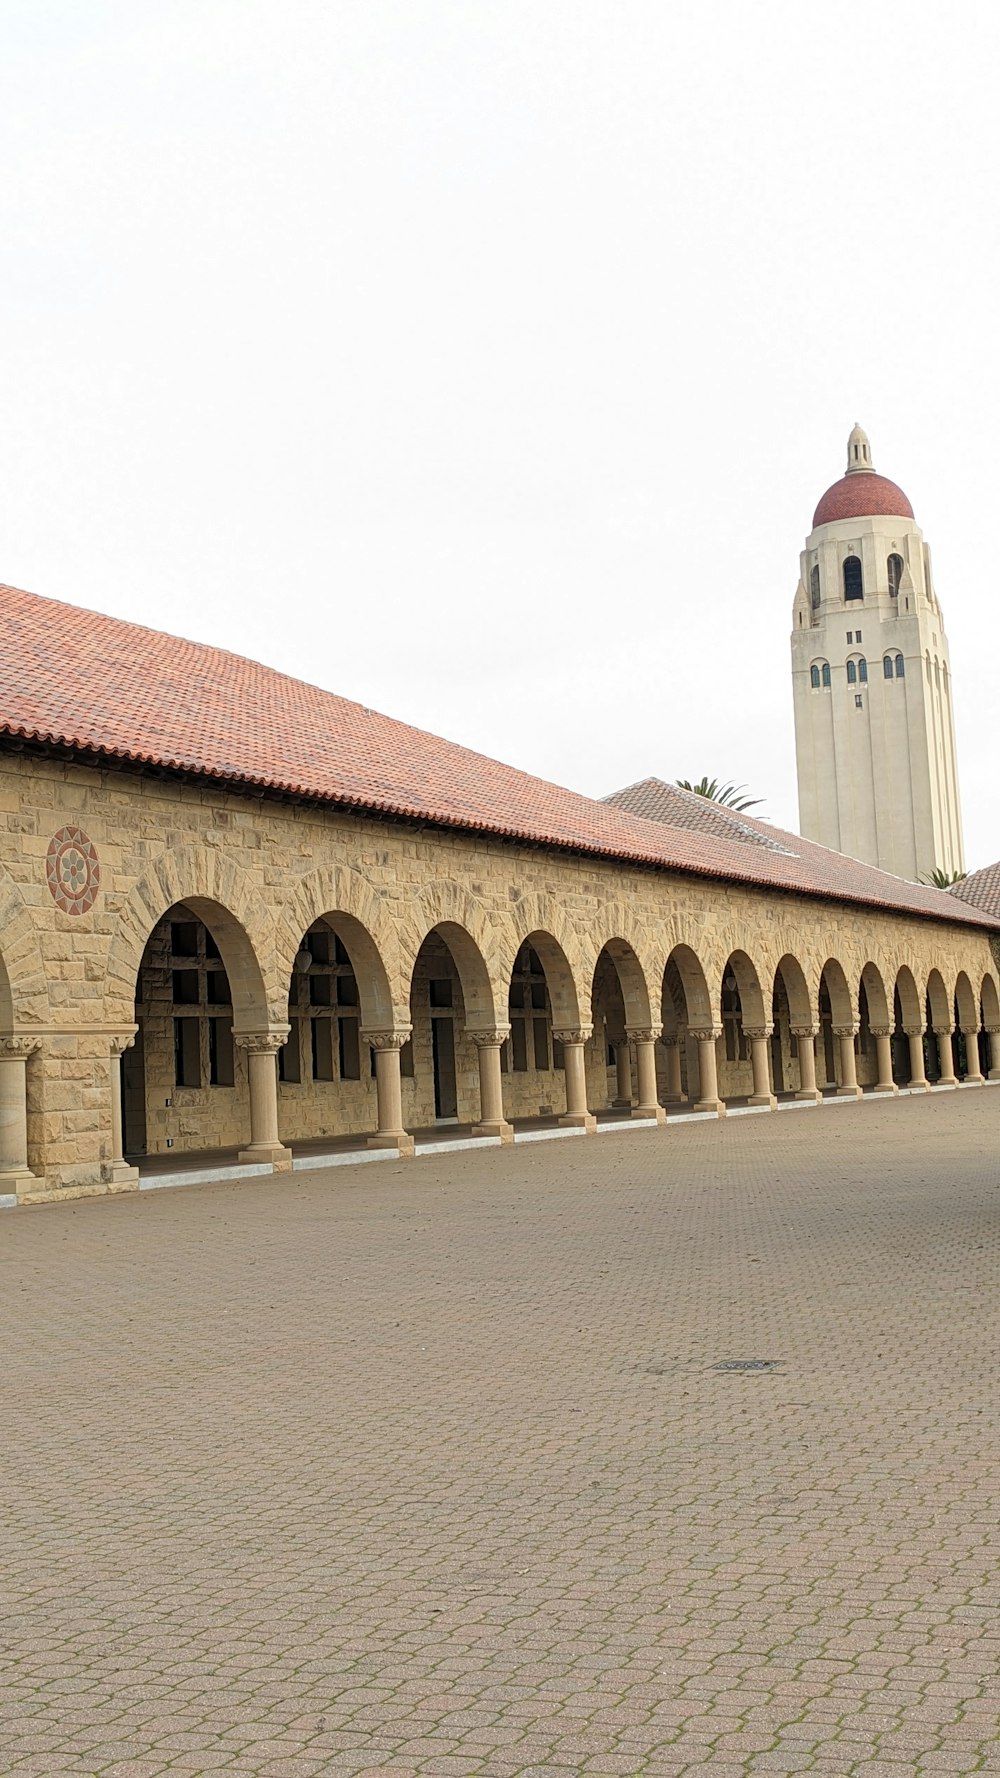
<point x="880" y="1030"/>
<point x="121" y="1042"/>
<point x="262" y="1043"/>
<point x="804" y="1030"/>
<point x="758" y="1031"/>
<point x="574" y="1034"/>
<point x="943" y="1030"/>
<point x="644" y="1033"/>
<point x="705" y="1033"/>
<point x="994" y="1030"/>
<point x="16" y="1046"/>
<point x="845" y="1031"/>
<point x="914" y="1030"/>
<point x="491" y="1039"/>
<point x="388" y="1040"/>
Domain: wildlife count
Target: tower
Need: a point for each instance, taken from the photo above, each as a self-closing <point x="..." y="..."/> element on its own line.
<point x="874" y="729"/>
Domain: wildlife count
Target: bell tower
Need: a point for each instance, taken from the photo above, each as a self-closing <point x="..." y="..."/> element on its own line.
<point x="871" y="677"/>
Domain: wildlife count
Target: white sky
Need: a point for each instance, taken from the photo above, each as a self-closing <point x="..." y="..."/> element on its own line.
<point x="484" y="362"/>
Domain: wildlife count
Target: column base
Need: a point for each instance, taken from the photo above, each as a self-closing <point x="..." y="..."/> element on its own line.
<point x="717" y="1106"/>
<point x="994" y="1074"/>
<point x="767" y="1099"/>
<point x="120" y="1173"/>
<point x="620" y="1105"/>
<point x="885" y="1086"/>
<point x="950" y="1081"/>
<point x="650" y="1111"/>
<point x="919" y="1086"/>
<point x="260" y="1153"/>
<point x="400" y="1139"/>
<point x="581" y="1120"/>
<point x="848" y="1093"/>
<point x="495" y="1127"/>
<point x="973" y="1080"/>
<point x="809" y="1095"/>
<point x="18" y="1181"/>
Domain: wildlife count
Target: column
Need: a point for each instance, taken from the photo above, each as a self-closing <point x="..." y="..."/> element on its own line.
<point x="623" y="1071"/>
<point x="805" y="1042"/>
<point x="674" y="1089"/>
<point x="389" y="1091"/>
<point x="918" y="1079"/>
<point x="576" y="1115"/>
<point x="994" y="1036"/>
<point x="973" y="1072"/>
<point x="119" y="1172"/>
<point x="261" y="1050"/>
<point x="848" y="1088"/>
<point x="708" y="1099"/>
<point x="15" y="1174"/>
<point x="883" y="1052"/>
<point x="645" y="1068"/>
<point x="947" y="1077"/>
<point x="491" y="1118"/>
<point x="760" y="1039"/>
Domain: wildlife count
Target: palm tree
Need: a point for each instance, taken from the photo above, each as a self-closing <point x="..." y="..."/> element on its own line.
<point x="943" y="879"/>
<point x="729" y="795"/>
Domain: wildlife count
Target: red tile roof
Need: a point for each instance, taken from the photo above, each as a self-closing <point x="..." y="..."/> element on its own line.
<point x="76" y="679"/>
<point x="981" y="889"/>
<point x="862" y="495"/>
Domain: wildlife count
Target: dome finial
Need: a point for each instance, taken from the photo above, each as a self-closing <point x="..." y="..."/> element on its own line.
<point x="859" y="452"/>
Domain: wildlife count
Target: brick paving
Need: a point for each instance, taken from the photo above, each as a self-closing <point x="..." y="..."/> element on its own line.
<point x="426" y="1468"/>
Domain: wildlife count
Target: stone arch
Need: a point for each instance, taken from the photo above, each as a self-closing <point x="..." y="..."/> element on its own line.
<point x="942" y="1015"/>
<point x="748" y="985"/>
<point x="615" y="931"/>
<point x="966" y="1004"/>
<point x="349" y="905"/>
<point x="841" y="999"/>
<point x="447" y="909"/>
<point x="24" y="993"/>
<point x="540" y="922"/>
<point x="989" y="1000"/>
<point x="880" y="1013"/>
<point x="222" y="895"/>
<point x="701" y="1013"/>
<point x="796" y="990"/>
<point x="632" y="979"/>
<point x="910" y="1003"/>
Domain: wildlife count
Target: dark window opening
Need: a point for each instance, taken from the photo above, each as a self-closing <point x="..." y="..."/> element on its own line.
<point x="853" y="584"/>
<point x="814" y="678"/>
<point x="863" y="669"/>
<point x="852" y="673"/>
<point x="322" y="1049"/>
<point x="350" y="1049"/>
<point x="541" y="1045"/>
<point x="187" y="1052"/>
<point x="887" y="667"/>
<point x="184" y="938"/>
<point x="185" y="987"/>
<point x="814" y="586"/>
<point x="895" y="567"/>
<point x="221" y="1060"/>
<point x="441" y="993"/>
<point x="289" y="1057"/>
<point x="826" y="674"/>
<point x="519" y="1047"/>
<point x="218" y="987"/>
<point x="900" y="667"/>
<point x="406" y="1059"/>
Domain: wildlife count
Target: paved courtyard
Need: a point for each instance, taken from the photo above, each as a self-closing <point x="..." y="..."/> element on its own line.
<point x="431" y="1467"/>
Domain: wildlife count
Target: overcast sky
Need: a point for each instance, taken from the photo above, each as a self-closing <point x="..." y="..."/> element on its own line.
<point x="485" y="362"/>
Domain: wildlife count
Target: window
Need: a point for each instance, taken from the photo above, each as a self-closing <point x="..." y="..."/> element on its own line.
<point x="900" y="667"/>
<point x="187" y="1052"/>
<point x="814" y="676"/>
<point x="895" y="567"/>
<point x="324" y="1006"/>
<point x="814" y="586"/>
<point x="853" y="585"/>
<point x="859" y="702"/>
<point x="857" y="637"/>
<point x="350" y="1049"/>
<point x="322" y="1049"/>
<point x="290" y="1054"/>
<point x="887" y="667"/>
<point x="199" y="993"/>
<point x="221" y="1060"/>
<point x="530" y="1015"/>
<point x="863" y="669"/>
<point x="850" y="637"/>
<point x="825" y="671"/>
<point x="852" y="673"/>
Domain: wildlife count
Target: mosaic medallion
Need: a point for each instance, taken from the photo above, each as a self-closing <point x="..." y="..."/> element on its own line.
<point x="73" y="870"/>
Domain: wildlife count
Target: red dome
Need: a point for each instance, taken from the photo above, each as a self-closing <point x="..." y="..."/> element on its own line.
<point x="862" y="495"/>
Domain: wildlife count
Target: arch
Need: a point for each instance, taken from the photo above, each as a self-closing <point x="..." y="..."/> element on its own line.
<point x="749" y="988"/>
<point x="24" y="991"/>
<point x="940" y="1004"/>
<point x="222" y="895"/>
<point x="894" y="568"/>
<point x="447" y="909"/>
<point x="694" y="986"/>
<point x="909" y="999"/>
<point x="632" y="980"/>
<point x="989" y="1000"/>
<point x="966" y="1004"/>
<point x="346" y="901"/>
<point x="853" y="579"/>
<point x="540" y="921"/>
<point x="879" y="1010"/>
<point x="796" y="990"/>
<point x="814" y="586"/>
<point x="841" y="999"/>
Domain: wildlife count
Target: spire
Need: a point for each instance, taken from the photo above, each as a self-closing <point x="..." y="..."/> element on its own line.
<point x="859" y="452"/>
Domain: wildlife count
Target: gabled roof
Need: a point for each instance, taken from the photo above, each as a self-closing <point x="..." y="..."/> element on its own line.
<point x="116" y="692"/>
<point x="981" y="889"/>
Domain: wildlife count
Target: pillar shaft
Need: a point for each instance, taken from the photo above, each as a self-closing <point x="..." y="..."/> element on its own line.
<point x="389" y="1091"/>
<point x="760" y="1043"/>
<point x="121" y="1172"/>
<point x="848" y="1088"/>
<point x="946" y="1057"/>
<point x="994" y="1035"/>
<point x="623" y="1074"/>
<point x="574" y="1064"/>
<point x="674" y="1088"/>
<point x="973" y="1072"/>
<point x="708" y="1099"/>
<point x="261" y="1050"/>
<point x="805" y="1038"/>
<point x="883" y="1052"/>
<point x="918" y="1079"/>
<point x="491" y="1118"/>
<point x="645" y="1067"/>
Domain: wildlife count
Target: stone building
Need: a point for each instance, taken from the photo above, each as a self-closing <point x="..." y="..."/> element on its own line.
<point x="874" y="724"/>
<point x="245" y="923"/>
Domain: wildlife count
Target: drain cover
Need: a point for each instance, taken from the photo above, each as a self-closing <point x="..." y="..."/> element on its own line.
<point x="747" y="1364"/>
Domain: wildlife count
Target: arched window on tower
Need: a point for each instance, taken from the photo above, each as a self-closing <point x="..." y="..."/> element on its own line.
<point x="825" y="673"/>
<point x="814" y="676"/>
<point x="814" y="586"/>
<point x="887" y="666"/>
<point x="900" y="667"/>
<point x="895" y="567"/>
<point x="852" y="673"/>
<point x="853" y="584"/>
<point x="863" y="670"/>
